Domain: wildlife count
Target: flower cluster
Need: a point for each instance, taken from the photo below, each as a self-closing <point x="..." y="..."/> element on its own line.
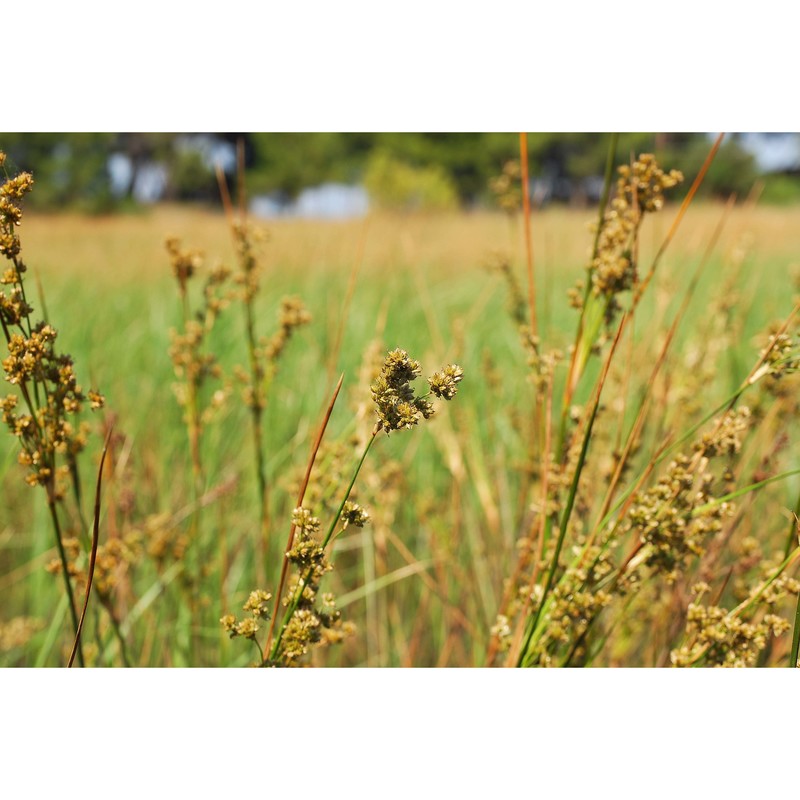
<point x="444" y="384"/>
<point x="114" y="559"/>
<point x="640" y="189"/>
<point x="52" y="395"/>
<point x="726" y="640"/>
<point x="396" y="403"/>
<point x="722" y="638"/>
<point x="244" y="237"/>
<point x="575" y="603"/>
<point x="42" y="412"/>
<point x="11" y="192"/>
<point x="643" y="183"/>
<point x="185" y="263"/>
<point x="18" y="631"/>
<point x="506" y="187"/>
<point x="310" y="623"/>
<point x="725" y="438"/>
<point x="354" y="514"/>
<point x="257" y="606"/>
<point x="782" y="355"/>
<point x="676" y="517"/>
<point x="194" y="365"/>
<point x="293" y="315"/>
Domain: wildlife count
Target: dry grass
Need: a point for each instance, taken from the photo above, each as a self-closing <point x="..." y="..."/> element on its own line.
<point x="131" y="247"/>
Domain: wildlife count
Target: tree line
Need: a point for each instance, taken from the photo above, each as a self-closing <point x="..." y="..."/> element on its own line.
<point x="74" y="169"/>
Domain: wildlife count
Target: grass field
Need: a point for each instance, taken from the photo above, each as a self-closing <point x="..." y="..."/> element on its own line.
<point x="456" y="503"/>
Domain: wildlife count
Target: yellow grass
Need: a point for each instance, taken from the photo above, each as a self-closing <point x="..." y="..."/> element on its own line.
<point x="122" y="248"/>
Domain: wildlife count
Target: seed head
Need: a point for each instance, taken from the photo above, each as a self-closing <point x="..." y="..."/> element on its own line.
<point x="444" y="384"/>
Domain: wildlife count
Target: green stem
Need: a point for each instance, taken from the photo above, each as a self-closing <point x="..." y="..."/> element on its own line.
<point x="304" y="580"/>
<point x="118" y="633"/>
<point x="700" y="510"/>
<point x="792" y="538"/>
<point x="794" y="530"/>
<point x="795" y="637"/>
<point x="573" y="491"/>
<point x="64" y="569"/>
<point x="257" y="403"/>
<point x="587" y="292"/>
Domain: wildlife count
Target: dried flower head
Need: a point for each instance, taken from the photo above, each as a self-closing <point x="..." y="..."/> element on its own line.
<point x="396" y="403"/>
<point x="444" y="384"/>
<point x="185" y="263"/>
<point x="354" y="514"/>
<point x="640" y="189"/>
<point x="258" y="603"/>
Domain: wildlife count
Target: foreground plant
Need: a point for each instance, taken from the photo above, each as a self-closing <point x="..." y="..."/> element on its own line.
<point x="304" y="623"/>
<point x="617" y="546"/>
<point x="45" y="422"/>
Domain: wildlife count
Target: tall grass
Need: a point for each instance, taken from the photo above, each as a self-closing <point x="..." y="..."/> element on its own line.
<point x="647" y="520"/>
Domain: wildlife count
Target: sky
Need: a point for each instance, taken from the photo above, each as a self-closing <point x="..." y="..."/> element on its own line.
<point x="773" y="151"/>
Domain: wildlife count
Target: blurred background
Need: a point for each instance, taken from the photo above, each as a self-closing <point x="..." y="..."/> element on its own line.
<point x="344" y="175"/>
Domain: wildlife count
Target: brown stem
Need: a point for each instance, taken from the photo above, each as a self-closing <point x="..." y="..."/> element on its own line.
<point x="301" y="495"/>
<point x="526" y="212"/>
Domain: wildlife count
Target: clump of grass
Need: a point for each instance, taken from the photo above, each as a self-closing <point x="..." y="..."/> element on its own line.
<point x="565" y="611"/>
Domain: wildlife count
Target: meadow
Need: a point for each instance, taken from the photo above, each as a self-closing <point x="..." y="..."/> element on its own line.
<point x="633" y="505"/>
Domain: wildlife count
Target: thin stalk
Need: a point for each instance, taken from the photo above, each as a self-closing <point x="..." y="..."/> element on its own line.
<point x="93" y="554"/>
<point x="678" y="217"/>
<point x="258" y="394"/>
<point x="794" y="534"/>
<point x="526" y="214"/>
<point x="544" y="526"/>
<point x="699" y="510"/>
<point x="351" y="285"/>
<point x="301" y="495"/>
<point x="51" y="506"/>
<point x="304" y="579"/>
<point x="793" y="656"/>
<point x="573" y="490"/>
<point x="572" y="378"/>
<point x="794" y="530"/>
<point x="375" y="431"/>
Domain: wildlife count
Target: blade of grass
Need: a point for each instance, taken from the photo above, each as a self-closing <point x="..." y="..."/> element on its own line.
<point x="793" y="656"/>
<point x="93" y="554"/>
<point x="699" y="510"/>
<point x="382" y="582"/>
<point x="52" y="632"/>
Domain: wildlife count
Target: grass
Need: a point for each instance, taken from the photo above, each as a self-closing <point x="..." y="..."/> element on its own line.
<point x="451" y="504"/>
